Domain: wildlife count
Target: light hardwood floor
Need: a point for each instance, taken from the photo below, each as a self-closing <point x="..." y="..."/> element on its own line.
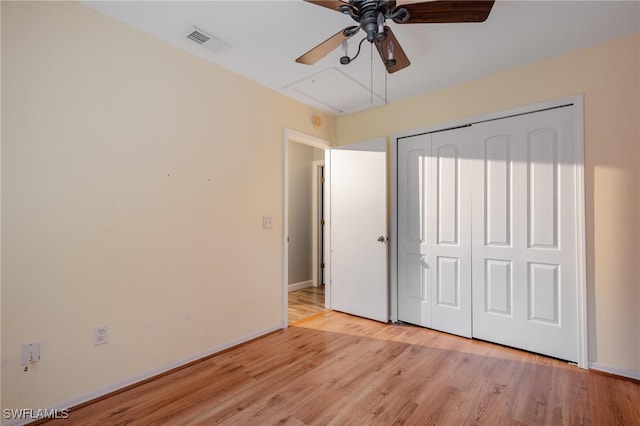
<point x="343" y="370"/>
<point x="304" y="303"/>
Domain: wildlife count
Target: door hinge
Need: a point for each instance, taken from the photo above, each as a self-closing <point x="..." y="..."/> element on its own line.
<point x="322" y="222"/>
<point x="322" y="265"/>
<point x="322" y="179"/>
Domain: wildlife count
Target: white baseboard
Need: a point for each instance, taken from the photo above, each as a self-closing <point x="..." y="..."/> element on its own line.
<point x="80" y="399"/>
<point x="299" y="286"/>
<point x="615" y="370"/>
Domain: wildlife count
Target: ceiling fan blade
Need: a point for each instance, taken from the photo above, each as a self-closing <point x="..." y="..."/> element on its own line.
<point x="401" y="60"/>
<point x="323" y="49"/>
<point x="446" y="11"/>
<point x="330" y="4"/>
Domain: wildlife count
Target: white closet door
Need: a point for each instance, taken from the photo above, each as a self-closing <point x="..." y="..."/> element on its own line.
<point x="524" y="238"/>
<point x="414" y="182"/>
<point x="434" y="234"/>
<point x="450" y="220"/>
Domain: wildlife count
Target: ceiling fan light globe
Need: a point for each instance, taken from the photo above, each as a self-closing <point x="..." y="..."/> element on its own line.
<point x="380" y="22"/>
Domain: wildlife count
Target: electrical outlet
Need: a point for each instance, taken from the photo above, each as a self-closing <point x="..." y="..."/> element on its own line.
<point x="266" y="222"/>
<point x="100" y="335"/>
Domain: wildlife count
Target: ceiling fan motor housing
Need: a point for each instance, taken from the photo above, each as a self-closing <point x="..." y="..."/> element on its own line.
<point x="366" y="13"/>
<point x="369" y="21"/>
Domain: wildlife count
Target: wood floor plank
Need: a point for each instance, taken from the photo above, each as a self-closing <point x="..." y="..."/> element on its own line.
<point x="304" y="303"/>
<point x="341" y="370"/>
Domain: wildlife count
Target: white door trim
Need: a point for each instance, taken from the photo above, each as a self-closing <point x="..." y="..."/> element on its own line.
<point x="315" y="178"/>
<point x="291" y="135"/>
<point x="578" y="103"/>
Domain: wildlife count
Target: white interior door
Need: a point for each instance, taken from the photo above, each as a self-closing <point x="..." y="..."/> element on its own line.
<point x="358" y="180"/>
<point x="524" y="233"/>
<point x="434" y="233"/>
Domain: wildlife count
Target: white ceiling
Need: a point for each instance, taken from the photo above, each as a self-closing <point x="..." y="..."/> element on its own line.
<point x="267" y="36"/>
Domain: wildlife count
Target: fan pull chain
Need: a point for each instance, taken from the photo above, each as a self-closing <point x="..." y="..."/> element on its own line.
<point x="371" y="73"/>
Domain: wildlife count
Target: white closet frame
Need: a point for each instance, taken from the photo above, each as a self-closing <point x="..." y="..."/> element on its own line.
<point x="578" y="106"/>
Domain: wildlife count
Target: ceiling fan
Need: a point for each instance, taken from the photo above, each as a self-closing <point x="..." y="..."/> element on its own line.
<point x="371" y="16"/>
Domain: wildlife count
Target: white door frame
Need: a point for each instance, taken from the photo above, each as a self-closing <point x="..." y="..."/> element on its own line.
<point x="578" y="104"/>
<point x="291" y="135"/>
<point x="315" y="213"/>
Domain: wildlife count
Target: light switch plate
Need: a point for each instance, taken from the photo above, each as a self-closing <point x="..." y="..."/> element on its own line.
<point x="30" y="352"/>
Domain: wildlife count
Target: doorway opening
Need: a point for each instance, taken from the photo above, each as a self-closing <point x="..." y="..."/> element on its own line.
<point x="304" y="268"/>
<point x="307" y="298"/>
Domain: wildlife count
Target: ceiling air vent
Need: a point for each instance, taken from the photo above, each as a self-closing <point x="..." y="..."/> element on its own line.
<point x="207" y="40"/>
<point x="198" y="37"/>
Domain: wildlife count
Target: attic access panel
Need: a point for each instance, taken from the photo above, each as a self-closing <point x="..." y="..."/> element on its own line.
<point x="337" y="91"/>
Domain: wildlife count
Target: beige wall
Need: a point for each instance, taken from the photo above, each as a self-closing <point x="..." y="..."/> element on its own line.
<point x="134" y="181"/>
<point x="609" y="77"/>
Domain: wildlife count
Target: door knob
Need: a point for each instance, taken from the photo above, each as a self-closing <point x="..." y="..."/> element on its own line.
<point x="381" y="238"/>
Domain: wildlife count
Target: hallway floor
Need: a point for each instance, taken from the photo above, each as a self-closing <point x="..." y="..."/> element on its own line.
<point x="304" y="303"/>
